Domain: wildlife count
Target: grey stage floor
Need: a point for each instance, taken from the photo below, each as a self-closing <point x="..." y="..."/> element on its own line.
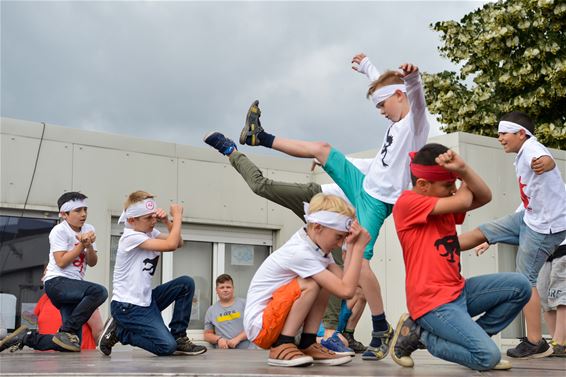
<point x="135" y="362"/>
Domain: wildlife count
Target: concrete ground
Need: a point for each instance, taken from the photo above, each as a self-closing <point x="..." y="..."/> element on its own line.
<point x="135" y="362"/>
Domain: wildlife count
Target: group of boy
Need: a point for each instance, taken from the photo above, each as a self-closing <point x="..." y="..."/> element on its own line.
<point x="290" y="291"/>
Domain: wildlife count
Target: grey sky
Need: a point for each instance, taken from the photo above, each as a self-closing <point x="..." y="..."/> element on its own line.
<point x="174" y="70"/>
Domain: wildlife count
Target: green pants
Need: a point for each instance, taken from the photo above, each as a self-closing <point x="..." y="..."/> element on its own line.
<point x="291" y="196"/>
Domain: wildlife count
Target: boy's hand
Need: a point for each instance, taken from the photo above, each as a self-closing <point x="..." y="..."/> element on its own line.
<point x="176" y="210"/>
<point x="222" y="343"/>
<point x="356" y="60"/>
<point x="315" y="163"/>
<point x="232" y="343"/>
<point x="355" y="230"/>
<point x="542" y="164"/>
<point x="161" y="215"/>
<point x="408" y="69"/>
<point x="450" y="160"/>
<point x="480" y="249"/>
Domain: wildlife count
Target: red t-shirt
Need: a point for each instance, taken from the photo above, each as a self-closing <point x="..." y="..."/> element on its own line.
<point x="49" y="321"/>
<point x="431" y="252"/>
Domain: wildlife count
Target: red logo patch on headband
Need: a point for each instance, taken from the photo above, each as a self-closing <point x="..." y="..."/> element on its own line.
<point x="434" y="173"/>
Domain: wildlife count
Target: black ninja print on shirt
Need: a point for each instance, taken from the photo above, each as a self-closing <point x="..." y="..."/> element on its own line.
<point x="152" y="265"/>
<point x="451" y="246"/>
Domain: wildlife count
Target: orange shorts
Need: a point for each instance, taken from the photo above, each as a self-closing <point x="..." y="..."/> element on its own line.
<point x="276" y="312"/>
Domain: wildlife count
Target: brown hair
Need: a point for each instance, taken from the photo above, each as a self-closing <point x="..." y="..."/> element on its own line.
<point x="387" y="78"/>
<point x="223" y="279"/>
<point x="136" y="196"/>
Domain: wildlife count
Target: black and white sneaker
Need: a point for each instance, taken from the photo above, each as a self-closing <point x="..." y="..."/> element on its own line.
<point x="186" y="347"/>
<point x="527" y="350"/>
<point x="108" y="337"/>
<point x="68" y="341"/>
<point x="405" y="341"/>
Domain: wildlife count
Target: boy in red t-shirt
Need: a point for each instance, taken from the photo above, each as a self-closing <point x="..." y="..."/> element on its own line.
<point x="441" y="302"/>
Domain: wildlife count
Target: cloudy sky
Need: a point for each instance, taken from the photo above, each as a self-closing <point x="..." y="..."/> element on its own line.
<point x="174" y="70"/>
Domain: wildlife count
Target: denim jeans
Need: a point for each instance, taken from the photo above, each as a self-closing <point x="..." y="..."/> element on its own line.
<point x="143" y="326"/>
<point x="534" y="247"/>
<point x="76" y="300"/>
<point x="450" y="333"/>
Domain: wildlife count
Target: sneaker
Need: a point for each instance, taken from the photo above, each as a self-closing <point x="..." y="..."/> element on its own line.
<point x="378" y="353"/>
<point x="322" y="355"/>
<point x="558" y="350"/>
<point x="14" y="341"/>
<point x="252" y="128"/>
<point x="220" y="142"/>
<point x="353" y="344"/>
<point x="68" y="341"/>
<point x="108" y="337"/>
<point x="503" y="365"/>
<point x="527" y="350"/>
<point x="405" y="341"/>
<point x="288" y="355"/>
<point x="186" y="347"/>
<point x="335" y="344"/>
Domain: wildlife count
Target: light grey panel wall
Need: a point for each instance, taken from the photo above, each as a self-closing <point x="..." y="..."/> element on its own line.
<point x="215" y="191"/>
<point x="52" y="177"/>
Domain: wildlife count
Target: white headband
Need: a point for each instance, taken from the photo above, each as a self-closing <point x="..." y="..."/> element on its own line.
<point x="385" y="92"/>
<point x="328" y="219"/>
<point x="138" y="209"/>
<point x="506" y="126"/>
<point x="71" y="205"/>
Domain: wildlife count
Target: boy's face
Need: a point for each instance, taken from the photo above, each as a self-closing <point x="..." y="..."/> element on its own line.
<point x="512" y="142"/>
<point x="144" y="223"/>
<point x="328" y="239"/>
<point x="440" y="189"/>
<point x="76" y="218"/>
<point x="394" y="107"/>
<point x="225" y="291"/>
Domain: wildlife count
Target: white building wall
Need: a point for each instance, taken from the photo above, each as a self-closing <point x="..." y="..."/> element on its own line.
<point x="108" y="167"/>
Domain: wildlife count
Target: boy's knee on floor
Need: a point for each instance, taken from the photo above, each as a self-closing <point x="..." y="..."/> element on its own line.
<point x="488" y="356"/>
<point x="166" y="348"/>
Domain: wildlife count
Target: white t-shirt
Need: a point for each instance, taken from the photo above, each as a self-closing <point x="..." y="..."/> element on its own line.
<point x="63" y="238"/>
<point x="543" y="196"/>
<point x="134" y="268"/>
<point x="297" y="257"/>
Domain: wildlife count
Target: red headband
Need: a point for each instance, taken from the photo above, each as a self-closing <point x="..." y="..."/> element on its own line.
<point x="432" y="173"/>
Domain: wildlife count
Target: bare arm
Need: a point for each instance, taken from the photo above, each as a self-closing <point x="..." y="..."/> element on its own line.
<point x="233" y="343"/>
<point x="542" y="164"/>
<point x="171" y="241"/>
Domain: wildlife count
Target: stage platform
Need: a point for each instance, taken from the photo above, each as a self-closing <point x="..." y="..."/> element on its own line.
<point x="240" y="363"/>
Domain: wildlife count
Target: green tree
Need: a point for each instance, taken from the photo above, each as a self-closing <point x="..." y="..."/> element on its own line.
<point x="512" y="56"/>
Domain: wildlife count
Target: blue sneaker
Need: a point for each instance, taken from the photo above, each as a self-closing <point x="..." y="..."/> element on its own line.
<point x="220" y="142"/>
<point x="335" y="344"/>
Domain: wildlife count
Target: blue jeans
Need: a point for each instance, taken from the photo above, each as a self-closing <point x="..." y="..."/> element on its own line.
<point x="534" y="247"/>
<point x="143" y="326"/>
<point x="76" y="300"/>
<point x="450" y="333"/>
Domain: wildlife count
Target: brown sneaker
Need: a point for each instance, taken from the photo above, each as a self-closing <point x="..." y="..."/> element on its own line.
<point x="288" y="355"/>
<point x="322" y="355"/>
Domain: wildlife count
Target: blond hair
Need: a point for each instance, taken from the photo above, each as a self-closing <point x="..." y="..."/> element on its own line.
<point x="331" y="203"/>
<point x="137" y="196"/>
<point x="385" y="79"/>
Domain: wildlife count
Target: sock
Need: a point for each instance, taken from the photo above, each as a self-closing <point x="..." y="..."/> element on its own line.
<point x="306" y="340"/>
<point x="348" y="331"/>
<point x="343" y="317"/>
<point x="379" y="324"/>
<point x="265" y="139"/>
<point x="283" y="339"/>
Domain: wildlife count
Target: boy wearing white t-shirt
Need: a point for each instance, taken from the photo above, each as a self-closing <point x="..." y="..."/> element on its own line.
<point x="371" y="185"/>
<point x="290" y="289"/>
<point x="72" y="249"/>
<point x="136" y="307"/>
<point x="538" y="229"/>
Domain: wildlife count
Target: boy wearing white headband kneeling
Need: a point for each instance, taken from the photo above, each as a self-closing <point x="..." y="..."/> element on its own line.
<point x="538" y="229"/>
<point x="72" y="249"/>
<point x="136" y="307"/>
<point x="290" y="289"/>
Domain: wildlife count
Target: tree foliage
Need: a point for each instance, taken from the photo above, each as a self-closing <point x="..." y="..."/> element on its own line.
<point x="512" y="56"/>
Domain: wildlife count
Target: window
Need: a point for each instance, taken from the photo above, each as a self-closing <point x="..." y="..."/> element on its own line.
<point x="24" y="253"/>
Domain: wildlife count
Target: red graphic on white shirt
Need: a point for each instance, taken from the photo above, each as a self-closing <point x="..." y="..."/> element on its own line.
<point x="80" y="261"/>
<point x="524" y="197"/>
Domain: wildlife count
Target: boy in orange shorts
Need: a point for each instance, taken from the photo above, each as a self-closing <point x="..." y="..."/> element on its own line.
<point x="290" y="289"/>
